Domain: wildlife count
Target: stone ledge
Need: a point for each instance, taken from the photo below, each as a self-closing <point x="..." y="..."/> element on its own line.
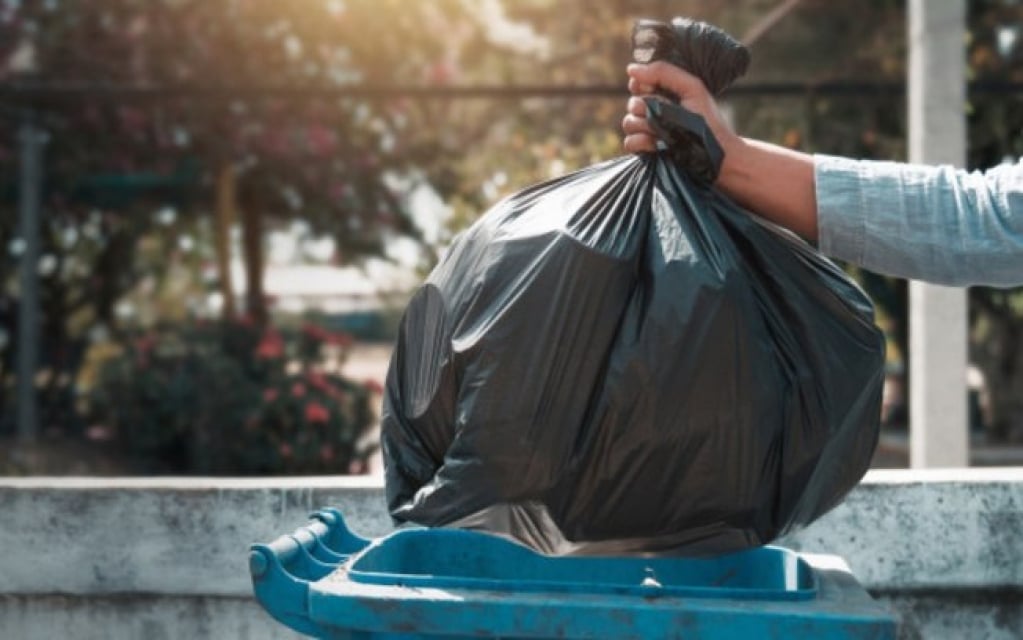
<point x="935" y="529"/>
<point x="955" y="528"/>
<point x="130" y="617"/>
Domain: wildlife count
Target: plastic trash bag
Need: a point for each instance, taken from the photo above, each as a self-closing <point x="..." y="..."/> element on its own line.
<point x="623" y="360"/>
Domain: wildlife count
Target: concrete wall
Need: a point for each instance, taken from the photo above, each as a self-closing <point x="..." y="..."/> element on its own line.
<point x="167" y="558"/>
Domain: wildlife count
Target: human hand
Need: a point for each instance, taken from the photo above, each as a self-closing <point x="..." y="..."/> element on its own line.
<point x="645" y="80"/>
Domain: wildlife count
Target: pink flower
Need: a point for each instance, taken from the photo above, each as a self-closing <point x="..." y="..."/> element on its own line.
<point x="99" y="433"/>
<point x="373" y="386"/>
<point x="327" y="453"/>
<point x="298" y="390"/>
<point x="318" y="381"/>
<point x="270" y="394"/>
<point x="316" y="412"/>
<point x="358" y="468"/>
<point x="271" y="346"/>
<point x="337" y="190"/>
<point x="339" y="339"/>
<point x="285" y="450"/>
<point x="316" y="332"/>
<point x="321" y="140"/>
<point x="441" y="72"/>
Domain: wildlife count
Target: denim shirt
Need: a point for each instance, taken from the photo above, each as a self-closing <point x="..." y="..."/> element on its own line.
<point x="933" y="223"/>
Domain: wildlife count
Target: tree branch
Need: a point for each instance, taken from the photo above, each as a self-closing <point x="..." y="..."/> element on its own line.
<point x="773" y="17"/>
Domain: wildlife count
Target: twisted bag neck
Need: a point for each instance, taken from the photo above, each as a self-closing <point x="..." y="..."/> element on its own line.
<point x="710" y="54"/>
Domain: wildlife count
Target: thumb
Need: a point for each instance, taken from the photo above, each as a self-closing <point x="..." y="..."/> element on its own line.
<point x="667" y="76"/>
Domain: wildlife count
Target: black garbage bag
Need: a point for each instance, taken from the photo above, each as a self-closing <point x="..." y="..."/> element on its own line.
<point x="623" y="360"/>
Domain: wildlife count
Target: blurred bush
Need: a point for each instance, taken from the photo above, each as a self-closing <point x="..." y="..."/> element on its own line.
<point x="231" y="398"/>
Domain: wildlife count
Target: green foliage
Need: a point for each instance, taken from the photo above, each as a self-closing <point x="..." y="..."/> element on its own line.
<point x="318" y="158"/>
<point x="328" y="161"/>
<point x="114" y="164"/>
<point x="231" y="399"/>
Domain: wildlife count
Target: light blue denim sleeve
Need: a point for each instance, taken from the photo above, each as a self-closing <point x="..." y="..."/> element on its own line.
<point x="932" y="223"/>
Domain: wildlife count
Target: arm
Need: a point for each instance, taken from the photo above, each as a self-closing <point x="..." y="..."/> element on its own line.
<point x="774" y="182"/>
<point x="929" y="223"/>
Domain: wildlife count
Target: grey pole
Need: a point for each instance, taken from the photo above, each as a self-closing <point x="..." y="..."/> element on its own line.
<point x="31" y="139"/>
<point x="937" y="315"/>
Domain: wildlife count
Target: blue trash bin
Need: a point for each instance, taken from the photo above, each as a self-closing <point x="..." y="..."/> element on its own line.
<point x="324" y="581"/>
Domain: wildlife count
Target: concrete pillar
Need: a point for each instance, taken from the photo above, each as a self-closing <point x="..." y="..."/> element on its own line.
<point x="937" y="316"/>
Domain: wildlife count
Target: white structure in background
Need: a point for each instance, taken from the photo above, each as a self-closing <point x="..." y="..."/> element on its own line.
<point x="296" y="287"/>
<point x="299" y="278"/>
<point x="937" y="315"/>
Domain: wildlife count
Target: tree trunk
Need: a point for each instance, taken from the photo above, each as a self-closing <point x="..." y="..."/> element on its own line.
<point x="226" y="215"/>
<point x="252" y="252"/>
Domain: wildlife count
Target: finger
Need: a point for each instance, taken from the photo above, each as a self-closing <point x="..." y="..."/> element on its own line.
<point x="666" y="75"/>
<point x="634" y="124"/>
<point x="638" y="88"/>
<point x="639" y="143"/>
<point x="636" y="106"/>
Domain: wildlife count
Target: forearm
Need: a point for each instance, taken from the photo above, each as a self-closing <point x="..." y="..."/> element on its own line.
<point x="774" y="182"/>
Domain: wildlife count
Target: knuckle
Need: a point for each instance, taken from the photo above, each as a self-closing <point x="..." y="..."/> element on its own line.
<point x="632" y="124"/>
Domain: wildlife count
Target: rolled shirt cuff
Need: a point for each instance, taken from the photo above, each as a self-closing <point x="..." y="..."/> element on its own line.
<point x="841" y="207"/>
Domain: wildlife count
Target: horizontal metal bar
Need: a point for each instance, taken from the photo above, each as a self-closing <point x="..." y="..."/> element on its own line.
<point x="33" y="92"/>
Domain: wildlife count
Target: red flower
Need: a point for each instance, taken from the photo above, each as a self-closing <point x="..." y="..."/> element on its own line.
<point x="270" y="394"/>
<point x="298" y="390"/>
<point x="318" y="381"/>
<point x="316" y="412"/>
<point x="373" y="386"/>
<point x="316" y="332"/>
<point x="271" y="346"/>
<point x="340" y="339"/>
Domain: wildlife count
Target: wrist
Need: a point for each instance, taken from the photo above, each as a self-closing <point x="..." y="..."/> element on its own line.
<point x="733" y="166"/>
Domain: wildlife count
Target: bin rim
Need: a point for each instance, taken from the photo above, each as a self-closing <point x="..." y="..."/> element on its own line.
<point x="800" y="581"/>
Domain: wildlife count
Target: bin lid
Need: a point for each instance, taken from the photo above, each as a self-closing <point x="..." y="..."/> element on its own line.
<point x="458" y="559"/>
